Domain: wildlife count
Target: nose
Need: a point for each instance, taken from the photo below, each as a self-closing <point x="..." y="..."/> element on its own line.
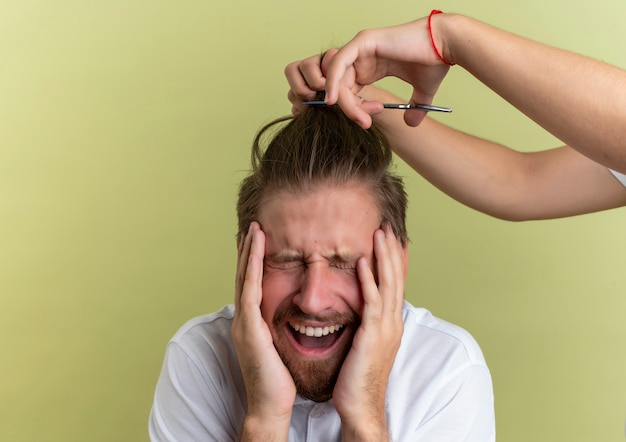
<point x="315" y="295"/>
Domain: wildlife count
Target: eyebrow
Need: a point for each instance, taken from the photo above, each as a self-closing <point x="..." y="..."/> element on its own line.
<point x="343" y="257"/>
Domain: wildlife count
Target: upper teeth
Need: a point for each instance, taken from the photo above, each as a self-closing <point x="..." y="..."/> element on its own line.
<point x="316" y="331"/>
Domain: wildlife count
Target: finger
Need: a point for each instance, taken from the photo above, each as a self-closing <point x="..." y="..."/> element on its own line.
<point x="251" y="292"/>
<point x="413" y="117"/>
<point x="297" y="81"/>
<point x="372" y="307"/>
<point x="372" y="107"/>
<point x="341" y="85"/>
<point x="389" y="252"/>
<point x="297" y="84"/>
<point x="341" y="61"/>
<point x="384" y="264"/>
<point x="396" y="248"/>
<point x="296" y="102"/>
<point x="311" y="71"/>
<point x="352" y="106"/>
<point x="374" y="284"/>
<point x="242" y="262"/>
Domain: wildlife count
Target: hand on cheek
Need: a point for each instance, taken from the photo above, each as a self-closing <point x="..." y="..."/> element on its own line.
<point x="269" y="387"/>
<point x="359" y="394"/>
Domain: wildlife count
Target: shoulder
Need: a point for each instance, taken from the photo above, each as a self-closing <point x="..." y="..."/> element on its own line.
<point x="440" y="387"/>
<point x="200" y="389"/>
<point x="206" y="324"/>
<point x="203" y="348"/>
<point x="437" y="339"/>
<point x="206" y="338"/>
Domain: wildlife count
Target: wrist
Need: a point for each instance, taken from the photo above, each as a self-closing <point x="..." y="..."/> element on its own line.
<point x="443" y="28"/>
<point x="436" y="42"/>
<point x="364" y="431"/>
<point x="367" y="422"/>
<point x="450" y="31"/>
<point x="260" y="428"/>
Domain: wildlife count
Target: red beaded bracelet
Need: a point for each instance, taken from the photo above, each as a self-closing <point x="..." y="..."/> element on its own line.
<point x="432" y="39"/>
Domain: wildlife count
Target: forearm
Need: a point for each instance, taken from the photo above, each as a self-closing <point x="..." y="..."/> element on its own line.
<point x="495" y="179"/>
<point x="579" y="100"/>
<point x="483" y="175"/>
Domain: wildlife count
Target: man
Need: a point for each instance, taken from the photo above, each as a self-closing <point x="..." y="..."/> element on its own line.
<point x="320" y="345"/>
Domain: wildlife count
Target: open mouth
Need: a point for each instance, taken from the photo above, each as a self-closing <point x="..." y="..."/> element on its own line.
<point x="316" y="337"/>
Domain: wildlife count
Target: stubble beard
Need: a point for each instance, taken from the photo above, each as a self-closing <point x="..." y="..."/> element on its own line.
<point x="314" y="379"/>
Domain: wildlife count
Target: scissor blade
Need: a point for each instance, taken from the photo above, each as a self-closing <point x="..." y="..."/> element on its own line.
<point x="425" y="107"/>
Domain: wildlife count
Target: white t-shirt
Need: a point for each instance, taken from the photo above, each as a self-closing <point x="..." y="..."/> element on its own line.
<point x="620" y="176"/>
<point x="439" y="389"/>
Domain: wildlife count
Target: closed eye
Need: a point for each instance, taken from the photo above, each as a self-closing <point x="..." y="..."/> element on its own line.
<point x="284" y="265"/>
<point x="343" y="265"/>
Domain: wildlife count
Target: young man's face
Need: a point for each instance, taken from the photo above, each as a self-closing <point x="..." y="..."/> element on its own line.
<point x="312" y="298"/>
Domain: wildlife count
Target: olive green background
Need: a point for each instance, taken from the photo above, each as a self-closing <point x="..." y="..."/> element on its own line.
<point x="125" y="129"/>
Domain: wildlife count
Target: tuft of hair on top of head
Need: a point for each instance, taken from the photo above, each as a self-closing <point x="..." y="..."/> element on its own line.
<point x="320" y="145"/>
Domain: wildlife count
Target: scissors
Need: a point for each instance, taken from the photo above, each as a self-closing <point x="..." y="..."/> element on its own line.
<point x="425" y="107"/>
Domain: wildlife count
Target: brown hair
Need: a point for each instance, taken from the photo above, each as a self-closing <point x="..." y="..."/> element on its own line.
<point x="321" y="145"/>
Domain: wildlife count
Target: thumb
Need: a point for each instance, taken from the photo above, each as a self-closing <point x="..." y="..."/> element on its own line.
<point x="413" y="117"/>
